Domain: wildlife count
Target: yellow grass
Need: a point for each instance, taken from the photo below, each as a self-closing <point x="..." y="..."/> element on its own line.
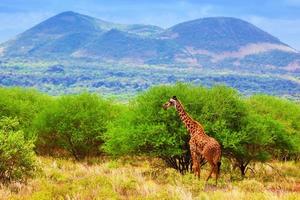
<point x="141" y="178"/>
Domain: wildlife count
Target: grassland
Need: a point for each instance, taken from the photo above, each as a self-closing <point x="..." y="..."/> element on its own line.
<point x="144" y="178"/>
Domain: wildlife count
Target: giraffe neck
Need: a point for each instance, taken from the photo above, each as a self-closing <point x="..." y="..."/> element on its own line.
<point x="191" y="125"/>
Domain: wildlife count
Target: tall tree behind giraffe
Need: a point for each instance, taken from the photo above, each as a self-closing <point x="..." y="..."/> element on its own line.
<point x="201" y="145"/>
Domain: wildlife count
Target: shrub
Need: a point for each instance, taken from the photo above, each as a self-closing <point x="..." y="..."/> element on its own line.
<point x="74" y="123"/>
<point x="23" y="104"/>
<point x="17" y="158"/>
<point x="148" y="129"/>
<point x="245" y="135"/>
<point x="287" y="115"/>
<point x="259" y="138"/>
<point x="145" y="128"/>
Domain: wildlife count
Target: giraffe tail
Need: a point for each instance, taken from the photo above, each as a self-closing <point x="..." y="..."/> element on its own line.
<point x="219" y="166"/>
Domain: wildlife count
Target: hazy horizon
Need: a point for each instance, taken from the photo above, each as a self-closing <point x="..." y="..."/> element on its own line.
<point x="281" y="18"/>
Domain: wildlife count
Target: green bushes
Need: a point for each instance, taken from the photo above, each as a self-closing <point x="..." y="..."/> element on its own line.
<point x="246" y="135"/>
<point x="145" y="128"/>
<point x="22" y="104"/>
<point x="75" y="124"/>
<point x="285" y="114"/>
<point x="17" y="158"/>
<point x="148" y="129"/>
<point x="250" y="129"/>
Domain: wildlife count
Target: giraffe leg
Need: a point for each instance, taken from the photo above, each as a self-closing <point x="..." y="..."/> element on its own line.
<point x="198" y="167"/>
<point x="216" y="172"/>
<point x="211" y="171"/>
<point x="195" y="164"/>
<point x="200" y="160"/>
<point x="198" y="172"/>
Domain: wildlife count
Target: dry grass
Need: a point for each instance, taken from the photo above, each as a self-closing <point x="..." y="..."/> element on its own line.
<point x="141" y="178"/>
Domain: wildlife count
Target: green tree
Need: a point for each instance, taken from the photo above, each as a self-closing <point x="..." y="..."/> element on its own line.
<point x="258" y="140"/>
<point x="23" y="104"/>
<point x="74" y="123"/>
<point x="287" y="114"/>
<point x="17" y="158"/>
<point x="145" y="128"/>
<point x="245" y="136"/>
<point x="148" y="129"/>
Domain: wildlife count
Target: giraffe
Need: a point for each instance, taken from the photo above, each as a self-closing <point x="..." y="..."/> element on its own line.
<point x="202" y="146"/>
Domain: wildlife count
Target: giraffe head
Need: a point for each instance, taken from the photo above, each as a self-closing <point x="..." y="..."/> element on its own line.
<point x="172" y="102"/>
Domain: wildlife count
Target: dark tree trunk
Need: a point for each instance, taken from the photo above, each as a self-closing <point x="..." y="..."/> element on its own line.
<point x="243" y="170"/>
<point x="181" y="163"/>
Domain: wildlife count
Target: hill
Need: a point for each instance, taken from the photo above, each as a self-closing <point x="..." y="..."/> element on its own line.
<point x="117" y="58"/>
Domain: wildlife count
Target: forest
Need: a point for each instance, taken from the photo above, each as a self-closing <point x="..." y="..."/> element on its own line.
<point x="58" y="77"/>
<point x="75" y="146"/>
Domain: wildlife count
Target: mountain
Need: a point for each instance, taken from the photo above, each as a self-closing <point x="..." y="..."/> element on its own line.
<point x="209" y="51"/>
<point x="64" y="33"/>
<point x="229" y="42"/>
<point x="216" y="42"/>
<point x="209" y="42"/>
<point x="219" y="34"/>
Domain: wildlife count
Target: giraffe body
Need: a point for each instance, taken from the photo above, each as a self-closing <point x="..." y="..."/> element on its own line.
<point x="202" y="146"/>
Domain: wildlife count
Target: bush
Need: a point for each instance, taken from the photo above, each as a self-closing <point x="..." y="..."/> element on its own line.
<point x="145" y="128"/>
<point x="259" y="138"/>
<point x="245" y="135"/>
<point x="287" y="116"/>
<point x="23" y="104"/>
<point x="148" y="129"/>
<point x="17" y="158"/>
<point x="74" y="123"/>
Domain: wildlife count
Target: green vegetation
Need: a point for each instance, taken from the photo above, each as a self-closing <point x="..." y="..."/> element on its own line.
<point x="74" y="123"/>
<point x="245" y="134"/>
<point x="60" y="76"/>
<point x="256" y="134"/>
<point x="146" y="178"/>
<point x="23" y="104"/>
<point x="17" y="158"/>
<point x="285" y="116"/>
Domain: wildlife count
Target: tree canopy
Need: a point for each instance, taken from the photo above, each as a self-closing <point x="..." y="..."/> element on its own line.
<point x="74" y="123"/>
<point x="250" y="129"/>
<point x="245" y="134"/>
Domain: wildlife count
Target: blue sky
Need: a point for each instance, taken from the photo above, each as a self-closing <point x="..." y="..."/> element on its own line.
<point x="281" y="18"/>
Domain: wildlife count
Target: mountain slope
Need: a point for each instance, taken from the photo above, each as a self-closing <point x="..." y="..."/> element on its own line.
<point x="65" y="33"/>
<point x="218" y="34"/>
<point x="71" y="51"/>
<point x="216" y="42"/>
<point x="119" y="45"/>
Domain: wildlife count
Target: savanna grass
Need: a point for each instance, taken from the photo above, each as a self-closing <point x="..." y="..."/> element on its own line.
<point x="145" y="178"/>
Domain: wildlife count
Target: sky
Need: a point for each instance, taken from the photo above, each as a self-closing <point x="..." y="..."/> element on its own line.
<point x="280" y="18"/>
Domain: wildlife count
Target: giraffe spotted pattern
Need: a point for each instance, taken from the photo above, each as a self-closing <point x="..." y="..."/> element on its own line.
<point x="202" y="146"/>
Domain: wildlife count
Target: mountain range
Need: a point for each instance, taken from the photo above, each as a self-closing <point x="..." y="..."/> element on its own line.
<point x="214" y="45"/>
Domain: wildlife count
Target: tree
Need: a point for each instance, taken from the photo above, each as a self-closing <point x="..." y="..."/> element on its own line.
<point x="17" y="158"/>
<point x="23" y="104"/>
<point x="287" y="114"/>
<point x="258" y="140"/>
<point x="148" y="129"/>
<point x="145" y="128"/>
<point x="245" y="136"/>
<point x="74" y="123"/>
